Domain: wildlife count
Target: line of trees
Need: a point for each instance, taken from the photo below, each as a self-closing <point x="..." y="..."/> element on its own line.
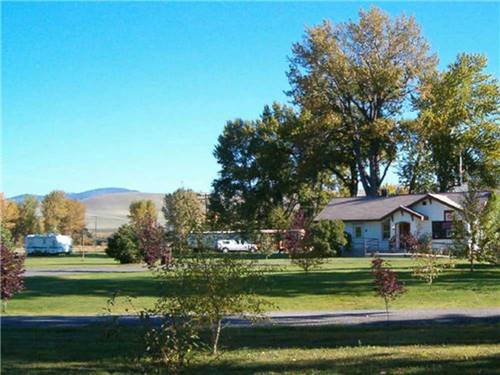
<point x="366" y="96"/>
<point x="55" y="213"/>
<point x="144" y="239"/>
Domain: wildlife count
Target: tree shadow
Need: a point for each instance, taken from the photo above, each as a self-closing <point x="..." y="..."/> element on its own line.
<point x="72" y="350"/>
<point x="50" y="286"/>
<point x="372" y="364"/>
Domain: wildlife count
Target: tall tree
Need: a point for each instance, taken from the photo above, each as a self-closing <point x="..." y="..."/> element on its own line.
<point x="62" y="215"/>
<point x="265" y="164"/>
<point x="53" y="211"/>
<point x="415" y="169"/>
<point x="459" y="117"/>
<point x="184" y="213"/>
<point x="141" y="210"/>
<point x="73" y="221"/>
<point x="490" y="230"/>
<point x="28" y="222"/>
<point x="9" y="213"/>
<point x="256" y="168"/>
<point x="358" y="78"/>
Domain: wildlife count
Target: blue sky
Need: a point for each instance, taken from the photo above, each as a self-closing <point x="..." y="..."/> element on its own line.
<point x="135" y="94"/>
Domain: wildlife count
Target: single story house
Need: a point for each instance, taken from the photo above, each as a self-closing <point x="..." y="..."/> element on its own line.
<point x="381" y="223"/>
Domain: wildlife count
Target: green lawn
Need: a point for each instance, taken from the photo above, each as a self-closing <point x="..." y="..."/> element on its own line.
<point x="341" y="284"/>
<point x="468" y="349"/>
<point x="74" y="260"/>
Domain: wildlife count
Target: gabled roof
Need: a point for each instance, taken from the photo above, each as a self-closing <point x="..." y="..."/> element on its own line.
<point x="410" y="211"/>
<point x="367" y="208"/>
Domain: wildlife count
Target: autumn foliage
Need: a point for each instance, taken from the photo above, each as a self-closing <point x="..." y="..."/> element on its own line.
<point x="152" y="241"/>
<point x="386" y="282"/>
<point x="12" y="269"/>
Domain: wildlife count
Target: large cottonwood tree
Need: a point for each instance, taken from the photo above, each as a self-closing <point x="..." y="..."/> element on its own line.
<point x="357" y="77"/>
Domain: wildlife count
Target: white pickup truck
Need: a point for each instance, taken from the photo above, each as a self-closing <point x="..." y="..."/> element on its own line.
<point x="235" y="245"/>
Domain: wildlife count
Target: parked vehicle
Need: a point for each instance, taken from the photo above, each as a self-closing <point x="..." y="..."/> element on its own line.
<point x="49" y="243"/>
<point x="235" y="245"/>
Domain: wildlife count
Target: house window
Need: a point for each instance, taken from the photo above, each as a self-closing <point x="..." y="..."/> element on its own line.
<point x="357" y="231"/>
<point x="442" y="230"/>
<point x="386" y="230"/>
<point x="448" y="215"/>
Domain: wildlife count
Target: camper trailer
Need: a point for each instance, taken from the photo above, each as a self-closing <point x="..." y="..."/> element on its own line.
<point x="49" y="243"/>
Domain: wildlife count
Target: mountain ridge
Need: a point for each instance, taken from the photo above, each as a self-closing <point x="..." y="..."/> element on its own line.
<point x="79" y="196"/>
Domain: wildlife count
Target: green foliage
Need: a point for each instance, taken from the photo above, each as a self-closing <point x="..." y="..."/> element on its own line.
<point x="327" y="237"/>
<point x="458" y="116"/>
<point x="268" y="244"/>
<point x="427" y="267"/>
<point x="279" y="218"/>
<point x="170" y="347"/>
<point x="256" y="169"/>
<point x="415" y="168"/>
<point x="184" y="213"/>
<point x="355" y="78"/>
<point x="53" y="211"/>
<point x="28" y="220"/>
<point x="124" y="245"/>
<point x="490" y="231"/>
<point x="266" y="172"/>
<point x="468" y="225"/>
<point x="210" y="289"/>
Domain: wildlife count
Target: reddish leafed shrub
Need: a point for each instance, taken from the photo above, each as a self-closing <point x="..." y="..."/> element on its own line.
<point x="386" y="282"/>
<point x="152" y="242"/>
<point x="297" y="244"/>
<point x="12" y="266"/>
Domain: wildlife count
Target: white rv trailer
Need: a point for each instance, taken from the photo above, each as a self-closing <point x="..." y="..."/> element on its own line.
<point x="49" y="243"/>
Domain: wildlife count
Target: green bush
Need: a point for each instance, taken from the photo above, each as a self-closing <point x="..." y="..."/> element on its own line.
<point x="124" y="245"/>
<point x="327" y="237"/>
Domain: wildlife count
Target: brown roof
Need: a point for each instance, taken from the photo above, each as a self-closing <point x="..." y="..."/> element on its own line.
<point x="366" y="208"/>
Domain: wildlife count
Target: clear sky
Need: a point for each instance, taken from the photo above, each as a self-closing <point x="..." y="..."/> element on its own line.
<point x="135" y="94"/>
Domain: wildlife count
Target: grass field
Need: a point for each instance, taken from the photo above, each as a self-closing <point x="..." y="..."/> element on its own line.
<point x="341" y="284"/>
<point x="75" y="260"/>
<point x="471" y="349"/>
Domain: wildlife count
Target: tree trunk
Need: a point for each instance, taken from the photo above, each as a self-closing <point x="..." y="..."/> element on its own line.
<point x="471" y="257"/>
<point x="215" y="336"/>
<point x="353" y="183"/>
<point x="386" y="308"/>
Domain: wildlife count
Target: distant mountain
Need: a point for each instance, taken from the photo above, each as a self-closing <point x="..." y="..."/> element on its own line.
<point x="20" y="198"/>
<point x="80" y="196"/>
<point x="96" y="192"/>
<point x="106" y="212"/>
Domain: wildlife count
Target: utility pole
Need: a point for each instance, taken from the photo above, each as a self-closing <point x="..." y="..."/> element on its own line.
<point x="460" y="171"/>
<point x="95" y="233"/>
<point x="83" y="251"/>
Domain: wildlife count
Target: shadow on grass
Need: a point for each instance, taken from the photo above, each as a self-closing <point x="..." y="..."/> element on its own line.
<point x="48" y="286"/>
<point x="374" y="364"/>
<point x="369" y="350"/>
<point x="279" y="284"/>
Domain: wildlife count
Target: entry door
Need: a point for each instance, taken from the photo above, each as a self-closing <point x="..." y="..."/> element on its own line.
<point x="404" y="231"/>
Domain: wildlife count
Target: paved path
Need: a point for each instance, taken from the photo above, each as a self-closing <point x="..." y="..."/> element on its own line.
<point x="355" y="317"/>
